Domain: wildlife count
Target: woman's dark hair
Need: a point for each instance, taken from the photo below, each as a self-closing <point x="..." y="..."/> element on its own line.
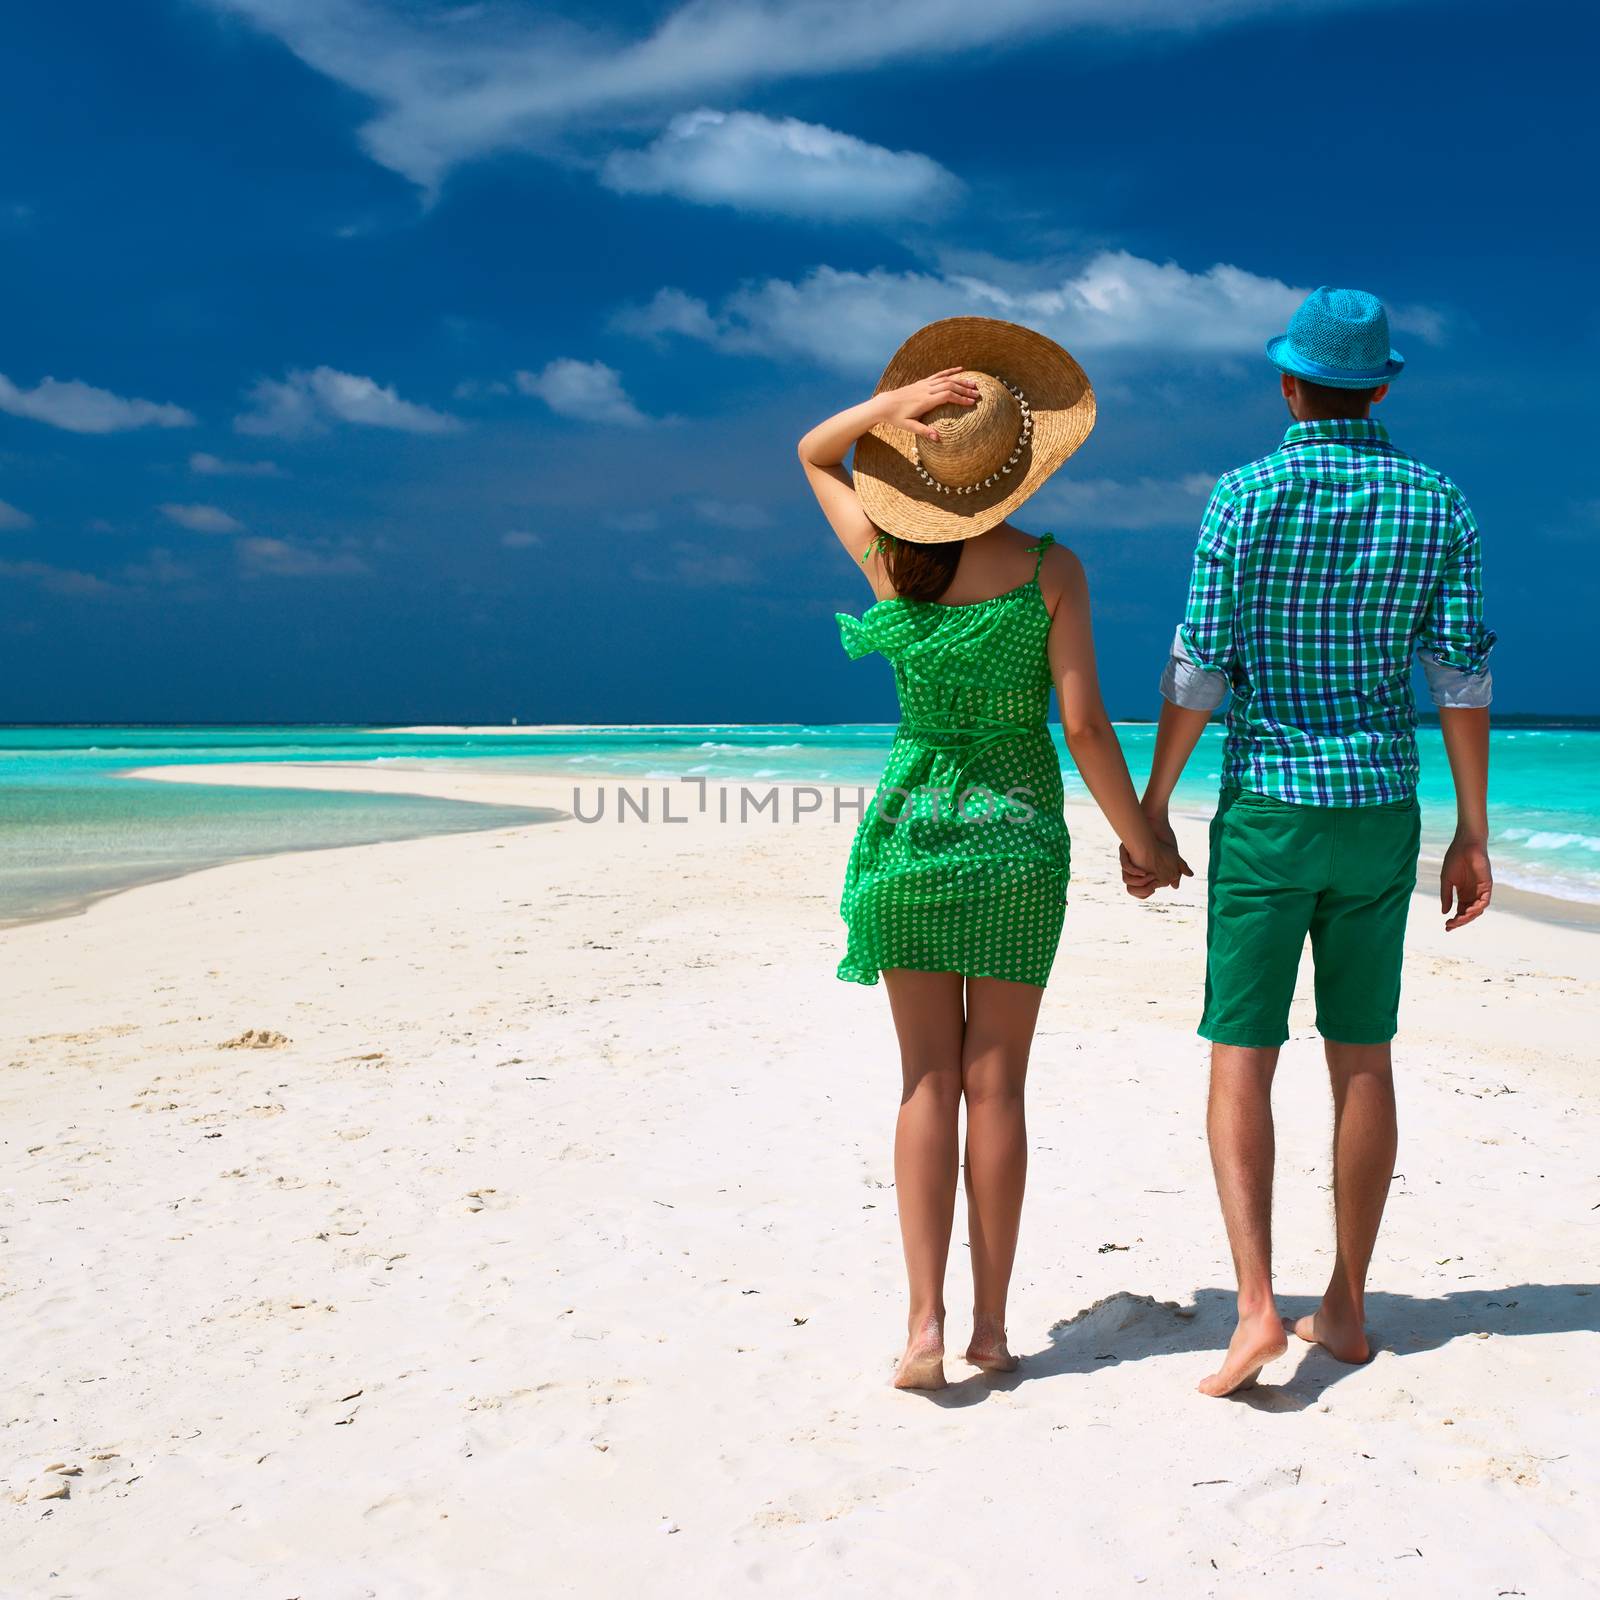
<point x="919" y="571"/>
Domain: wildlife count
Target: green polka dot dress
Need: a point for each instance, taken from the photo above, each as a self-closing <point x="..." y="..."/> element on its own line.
<point x="960" y="863"/>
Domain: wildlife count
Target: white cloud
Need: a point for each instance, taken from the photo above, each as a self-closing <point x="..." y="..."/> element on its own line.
<point x="201" y="519"/>
<point x="58" y="580"/>
<point x="160" y="566"/>
<point x="588" y="391"/>
<point x="13" y="520"/>
<point x="854" y="320"/>
<point x="1088" y="504"/>
<point x="1430" y="326"/>
<point x="209" y="466"/>
<point x="81" y="408"/>
<point x="279" y="558"/>
<point x="695" y="567"/>
<point x="455" y="82"/>
<point x="476" y="388"/>
<point x="307" y="402"/>
<point x="520" y="540"/>
<point x="633" y="521"/>
<point x="792" y="168"/>
<point x="732" y="514"/>
<point x="670" y="311"/>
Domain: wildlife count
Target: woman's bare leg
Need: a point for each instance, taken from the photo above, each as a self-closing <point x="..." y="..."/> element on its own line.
<point x="994" y="1065"/>
<point x="929" y="1021"/>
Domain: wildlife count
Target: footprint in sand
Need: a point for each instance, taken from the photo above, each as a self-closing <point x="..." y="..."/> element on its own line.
<point x="497" y="1402"/>
<point x="68" y="1480"/>
<point x="831" y="1503"/>
<point x="1116" y="1313"/>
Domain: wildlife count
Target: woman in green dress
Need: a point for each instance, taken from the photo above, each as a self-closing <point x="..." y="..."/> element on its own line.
<point x="956" y="885"/>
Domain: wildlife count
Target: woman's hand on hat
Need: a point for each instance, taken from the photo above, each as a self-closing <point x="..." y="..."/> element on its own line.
<point x="905" y="408"/>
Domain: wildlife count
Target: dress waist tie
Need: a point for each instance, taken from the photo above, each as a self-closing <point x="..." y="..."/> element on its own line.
<point x="971" y="740"/>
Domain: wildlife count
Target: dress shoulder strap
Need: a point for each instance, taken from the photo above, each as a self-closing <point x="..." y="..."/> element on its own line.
<point x="879" y="542"/>
<point x="1045" y="541"/>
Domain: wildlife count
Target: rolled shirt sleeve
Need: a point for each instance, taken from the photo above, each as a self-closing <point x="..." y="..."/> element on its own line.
<point x="1188" y="685"/>
<point x="1451" y="690"/>
<point x="1454" y="643"/>
<point x="1199" y="667"/>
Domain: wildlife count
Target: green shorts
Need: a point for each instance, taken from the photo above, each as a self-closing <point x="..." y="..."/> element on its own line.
<point x="1343" y="874"/>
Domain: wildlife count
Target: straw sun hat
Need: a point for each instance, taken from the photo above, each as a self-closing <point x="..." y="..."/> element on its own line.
<point x="1034" y="408"/>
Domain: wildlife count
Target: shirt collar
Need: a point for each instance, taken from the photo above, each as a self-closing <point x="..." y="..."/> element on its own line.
<point x="1343" y="430"/>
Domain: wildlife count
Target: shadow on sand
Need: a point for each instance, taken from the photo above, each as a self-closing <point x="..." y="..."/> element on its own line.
<point x="1132" y="1327"/>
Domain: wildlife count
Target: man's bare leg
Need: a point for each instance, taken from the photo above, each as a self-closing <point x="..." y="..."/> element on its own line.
<point x="1364" y="1141"/>
<point x="1239" y="1126"/>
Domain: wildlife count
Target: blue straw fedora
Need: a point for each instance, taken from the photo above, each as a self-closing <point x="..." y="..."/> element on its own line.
<point x="1338" y="337"/>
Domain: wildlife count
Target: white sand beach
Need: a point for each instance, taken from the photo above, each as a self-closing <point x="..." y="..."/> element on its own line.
<point x="552" y="1248"/>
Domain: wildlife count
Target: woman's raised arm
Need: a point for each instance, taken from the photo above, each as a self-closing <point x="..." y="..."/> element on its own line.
<point x="823" y="449"/>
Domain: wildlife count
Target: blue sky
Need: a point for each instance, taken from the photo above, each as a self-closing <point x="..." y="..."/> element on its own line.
<point x="381" y="359"/>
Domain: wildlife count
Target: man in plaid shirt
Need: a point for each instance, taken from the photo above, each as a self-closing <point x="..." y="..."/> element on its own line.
<point x="1321" y="571"/>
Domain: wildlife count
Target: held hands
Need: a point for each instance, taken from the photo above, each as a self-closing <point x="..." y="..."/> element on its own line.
<point x="1466" y="881"/>
<point x="905" y="408"/>
<point x="1154" y="864"/>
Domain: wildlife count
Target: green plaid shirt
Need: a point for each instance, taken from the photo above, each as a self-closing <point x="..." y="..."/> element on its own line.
<point x="1320" y="570"/>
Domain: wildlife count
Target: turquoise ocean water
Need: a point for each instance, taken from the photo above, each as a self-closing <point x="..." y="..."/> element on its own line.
<point x="72" y="827"/>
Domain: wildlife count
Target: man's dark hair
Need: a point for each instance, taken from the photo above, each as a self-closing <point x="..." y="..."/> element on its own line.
<point x="1322" y="401"/>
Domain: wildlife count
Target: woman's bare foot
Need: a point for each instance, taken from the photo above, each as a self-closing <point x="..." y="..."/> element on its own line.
<point x="988" y="1348"/>
<point x="922" y="1366"/>
<point x="1257" y="1340"/>
<point x="1337" y="1327"/>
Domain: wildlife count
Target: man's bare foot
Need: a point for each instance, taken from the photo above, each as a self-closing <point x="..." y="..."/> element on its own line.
<point x="1256" y="1341"/>
<point x="922" y="1366"/>
<point x="989" y="1349"/>
<point x="1338" y="1329"/>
